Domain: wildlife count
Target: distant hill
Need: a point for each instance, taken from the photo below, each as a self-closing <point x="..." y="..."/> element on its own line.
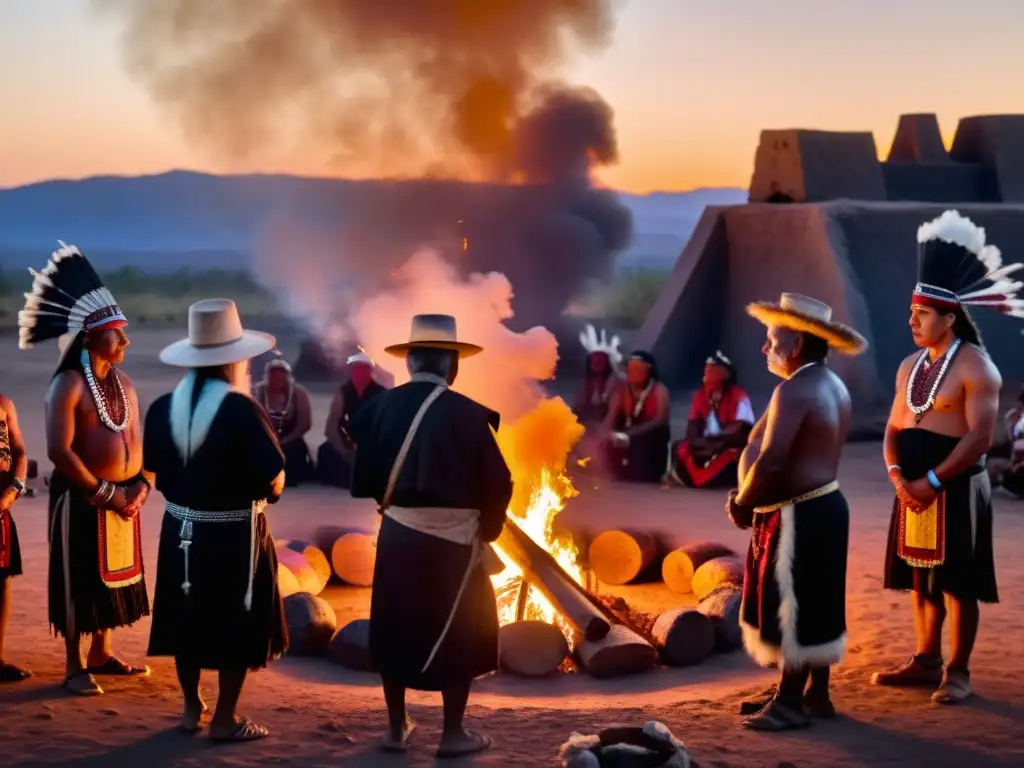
<point x="186" y="219"/>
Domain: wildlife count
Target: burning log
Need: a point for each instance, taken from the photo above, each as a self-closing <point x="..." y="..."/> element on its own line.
<point x="684" y="637"/>
<point x="715" y="573"/>
<point x="619" y="557"/>
<point x="531" y="648"/>
<point x="679" y="566"/>
<point x="542" y="571"/>
<point x="621" y="652"/>
<point x="350" y="646"/>
<point x="722" y="606"/>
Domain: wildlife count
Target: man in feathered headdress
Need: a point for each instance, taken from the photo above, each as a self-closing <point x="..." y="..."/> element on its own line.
<point x="600" y="378"/>
<point x="94" y="439"/>
<point x="941" y="426"/>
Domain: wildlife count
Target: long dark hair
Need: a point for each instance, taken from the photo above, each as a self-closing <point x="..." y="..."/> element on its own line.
<point x="964" y="327"/>
<point x="72" y="359"/>
<point x="210" y="373"/>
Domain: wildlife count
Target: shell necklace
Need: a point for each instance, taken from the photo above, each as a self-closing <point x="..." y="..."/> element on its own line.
<point x="100" y="398"/>
<point x="918" y="381"/>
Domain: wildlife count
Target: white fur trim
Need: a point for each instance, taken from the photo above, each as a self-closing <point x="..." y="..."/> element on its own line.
<point x="790" y="654"/>
<point x="189" y="428"/>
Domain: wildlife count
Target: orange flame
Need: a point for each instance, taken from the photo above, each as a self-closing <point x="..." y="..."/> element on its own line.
<point x="536" y="447"/>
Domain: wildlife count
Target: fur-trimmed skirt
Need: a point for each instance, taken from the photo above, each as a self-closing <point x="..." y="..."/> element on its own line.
<point x="793" y="611"/>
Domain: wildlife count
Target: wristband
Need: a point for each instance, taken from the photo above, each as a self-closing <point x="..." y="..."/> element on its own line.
<point x="933" y="480"/>
<point x="18" y="485"/>
<point x="891" y="467"/>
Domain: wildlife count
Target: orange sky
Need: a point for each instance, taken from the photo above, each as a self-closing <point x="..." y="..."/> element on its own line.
<point x="692" y="83"/>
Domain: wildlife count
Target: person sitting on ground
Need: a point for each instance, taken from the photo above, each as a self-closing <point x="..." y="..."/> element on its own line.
<point x="334" y="457"/>
<point x="1006" y="460"/>
<point x="721" y="417"/>
<point x="600" y="379"/>
<point x="288" y="406"/>
<point x="636" y="430"/>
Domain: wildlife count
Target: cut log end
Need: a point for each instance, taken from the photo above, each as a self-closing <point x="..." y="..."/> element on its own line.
<point x="287" y="584"/>
<point x="716" y="573"/>
<point x="684" y="637"/>
<point x="618" y="557"/>
<point x="352" y="558"/>
<point x="621" y="652"/>
<point x="307" y="578"/>
<point x="311" y="624"/>
<point x="722" y="606"/>
<point x="678" y="567"/>
<point x="350" y="646"/>
<point x="313" y="554"/>
<point x="531" y="648"/>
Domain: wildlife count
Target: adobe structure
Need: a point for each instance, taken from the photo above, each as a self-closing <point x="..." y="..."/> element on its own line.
<point x="826" y="218"/>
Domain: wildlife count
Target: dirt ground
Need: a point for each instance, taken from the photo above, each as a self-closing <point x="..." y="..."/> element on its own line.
<point x="321" y="714"/>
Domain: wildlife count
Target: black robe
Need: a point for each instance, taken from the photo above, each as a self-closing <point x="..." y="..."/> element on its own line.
<point x="210" y="627"/>
<point x="454" y="462"/>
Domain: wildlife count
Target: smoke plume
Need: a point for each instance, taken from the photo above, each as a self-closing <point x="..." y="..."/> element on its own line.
<point x="429" y="91"/>
<point x="505" y="376"/>
<point x="403" y="88"/>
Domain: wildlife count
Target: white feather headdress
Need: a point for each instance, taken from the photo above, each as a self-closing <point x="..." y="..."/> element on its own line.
<point x="593" y="343"/>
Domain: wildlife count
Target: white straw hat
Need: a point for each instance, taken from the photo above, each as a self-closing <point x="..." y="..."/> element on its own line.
<point x="434" y="332"/>
<point x="215" y="337"/>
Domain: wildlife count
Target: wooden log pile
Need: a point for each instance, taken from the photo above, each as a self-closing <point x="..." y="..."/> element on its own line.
<point x="621" y="557"/>
<point x="680" y="565"/>
<point x="351" y="552"/>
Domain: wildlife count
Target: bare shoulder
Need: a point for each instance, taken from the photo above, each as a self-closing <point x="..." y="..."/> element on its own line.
<point x="903" y="372"/>
<point x="662" y="391"/>
<point x="302" y="392"/>
<point x="126" y="380"/>
<point x="67" y="385"/>
<point x="977" y="367"/>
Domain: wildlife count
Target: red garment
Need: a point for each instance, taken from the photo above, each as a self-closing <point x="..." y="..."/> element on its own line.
<point x="727" y="407"/>
<point x="629" y="403"/>
<point x="687" y="469"/>
<point x="360" y="374"/>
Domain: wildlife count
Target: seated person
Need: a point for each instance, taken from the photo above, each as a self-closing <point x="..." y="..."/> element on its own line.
<point x="291" y="414"/>
<point x="1006" y="460"/>
<point x="600" y="379"/>
<point x="720" y="420"/>
<point x="334" y="457"/>
<point x="635" y="433"/>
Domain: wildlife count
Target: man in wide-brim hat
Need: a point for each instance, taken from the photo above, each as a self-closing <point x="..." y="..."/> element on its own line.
<point x="429" y="458"/>
<point x="217" y="461"/>
<point x="793" y="612"/>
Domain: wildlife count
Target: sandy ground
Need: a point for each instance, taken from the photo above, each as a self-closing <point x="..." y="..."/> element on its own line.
<point x="321" y="714"/>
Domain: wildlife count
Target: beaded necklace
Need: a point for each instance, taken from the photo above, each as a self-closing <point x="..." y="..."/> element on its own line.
<point x="111" y="402"/>
<point x="277" y="417"/>
<point x="925" y="380"/>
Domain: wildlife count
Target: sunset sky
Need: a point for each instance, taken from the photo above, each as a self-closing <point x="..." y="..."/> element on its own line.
<point x="692" y="83"/>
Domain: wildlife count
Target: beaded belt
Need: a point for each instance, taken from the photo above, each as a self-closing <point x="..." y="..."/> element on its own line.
<point x="755" y="534"/>
<point x="189" y="516"/>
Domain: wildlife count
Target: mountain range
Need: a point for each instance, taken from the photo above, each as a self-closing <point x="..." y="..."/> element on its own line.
<point x="188" y="219"/>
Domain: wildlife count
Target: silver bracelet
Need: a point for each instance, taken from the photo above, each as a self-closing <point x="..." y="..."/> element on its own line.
<point x="891" y="467"/>
<point x="104" y="493"/>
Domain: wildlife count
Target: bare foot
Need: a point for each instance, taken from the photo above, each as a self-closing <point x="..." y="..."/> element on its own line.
<point x="397" y="739"/>
<point x="192" y="717"/>
<point x="461" y="743"/>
